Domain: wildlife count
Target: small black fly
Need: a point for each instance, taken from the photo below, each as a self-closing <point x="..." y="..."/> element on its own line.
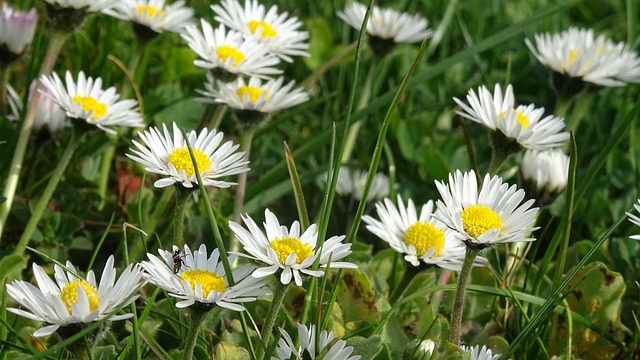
<point x="178" y="260"/>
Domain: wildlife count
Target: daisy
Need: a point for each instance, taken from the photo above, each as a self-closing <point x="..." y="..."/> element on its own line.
<point x="277" y="32"/>
<point x="16" y="31"/>
<point x="72" y="300"/>
<point x="228" y="54"/>
<point x="86" y="100"/>
<point x="287" y="251"/>
<point x="491" y="216"/>
<point x="577" y="53"/>
<point x="545" y="172"/>
<point x="352" y="184"/>
<point x="327" y="345"/>
<point x="420" y="237"/>
<point x="386" y="26"/>
<point x="154" y="14"/>
<point x="426" y="349"/>
<point x="196" y="277"/>
<point x="167" y="154"/>
<point x="522" y="124"/>
<point x="254" y="100"/>
<point x="48" y="114"/>
<point x="635" y="219"/>
<point x="480" y="353"/>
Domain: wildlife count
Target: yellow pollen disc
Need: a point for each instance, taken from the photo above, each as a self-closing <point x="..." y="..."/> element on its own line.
<point x="572" y="56"/>
<point x="267" y="30"/>
<point x="478" y="219"/>
<point x="226" y="52"/>
<point x="151" y="11"/>
<point x="253" y="92"/>
<point x="520" y="117"/>
<point x="207" y="280"/>
<point x="181" y="159"/>
<point x="69" y="294"/>
<point x="88" y="103"/>
<point x="285" y="246"/>
<point x="424" y="236"/>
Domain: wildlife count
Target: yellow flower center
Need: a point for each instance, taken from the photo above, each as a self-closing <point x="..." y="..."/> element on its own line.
<point x="181" y="159"/>
<point x="267" y="30"/>
<point x="88" y="104"/>
<point x="285" y="246"/>
<point x="208" y="280"/>
<point x="424" y="236"/>
<point x="226" y="52"/>
<point x="478" y="219"/>
<point x="520" y="118"/>
<point x="151" y="11"/>
<point x="253" y="92"/>
<point x="69" y="294"/>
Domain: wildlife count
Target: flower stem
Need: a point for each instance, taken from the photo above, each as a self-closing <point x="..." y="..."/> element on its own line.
<point x="562" y="105"/>
<point x="497" y="158"/>
<point x="366" y="94"/>
<point x="197" y="317"/>
<point x="55" y="45"/>
<point x="182" y="196"/>
<point x="48" y="192"/>
<point x="276" y="304"/>
<point x="409" y="273"/>
<point x="246" y="137"/>
<point x="4" y="79"/>
<point x="463" y="280"/>
<point x="580" y="108"/>
<point x="216" y="119"/>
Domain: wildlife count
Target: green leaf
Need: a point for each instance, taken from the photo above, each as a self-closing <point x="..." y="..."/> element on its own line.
<point x="11" y="267"/>
<point x="366" y="348"/>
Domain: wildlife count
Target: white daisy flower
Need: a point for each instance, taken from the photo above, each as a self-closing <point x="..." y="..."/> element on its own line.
<point x="491" y="216"/>
<point x="480" y="353"/>
<point x="277" y="32"/>
<point x="386" y="26"/>
<point x="154" y="14"/>
<point x="426" y="349"/>
<point x="89" y="6"/>
<point x="49" y="115"/>
<point x="73" y="300"/>
<point x="310" y="349"/>
<point x="577" y="53"/>
<point x="522" y="124"/>
<point x="167" y="154"/>
<point x="200" y="277"/>
<point x="635" y="219"/>
<point x="420" y="237"/>
<point x="86" y="100"/>
<point x="287" y="251"/>
<point x="270" y="97"/>
<point x="352" y="184"/>
<point x="16" y="30"/>
<point x="547" y="171"/>
<point x="228" y="54"/>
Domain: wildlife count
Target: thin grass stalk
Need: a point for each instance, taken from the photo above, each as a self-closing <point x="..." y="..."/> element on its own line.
<point x="55" y="45"/>
<point x="5" y="71"/>
<point x="134" y="320"/>
<point x="246" y="138"/>
<point x="42" y="203"/>
<point x="301" y="205"/>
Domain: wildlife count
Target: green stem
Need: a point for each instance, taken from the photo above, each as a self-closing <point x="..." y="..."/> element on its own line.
<point x="158" y="210"/>
<point x="562" y="105"/>
<point x="196" y="317"/>
<point x="48" y="192"/>
<point x="354" y="130"/>
<point x="55" y="45"/>
<point x="497" y="158"/>
<point x="246" y="137"/>
<point x="409" y="273"/>
<point x="216" y="119"/>
<point x="4" y="79"/>
<point x="582" y="104"/>
<point x="463" y="280"/>
<point x="276" y="304"/>
<point x="182" y="197"/>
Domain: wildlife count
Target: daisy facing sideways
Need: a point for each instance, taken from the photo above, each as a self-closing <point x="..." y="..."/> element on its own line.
<point x="286" y="252"/>
<point x="154" y="14"/>
<point x="635" y="219"/>
<point x="312" y="347"/>
<point x="197" y="277"/>
<point x="74" y="301"/>
<point x="166" y="154"/>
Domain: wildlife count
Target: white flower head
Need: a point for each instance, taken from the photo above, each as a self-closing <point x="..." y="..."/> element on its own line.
<point x="492" y="215"/>
<point x="154" y="14"/>
<point x="89" y="6"/>
<point x="287" y="250"/>
<point x="480" y="353"/>
<point x="17" y="28"/>
<point x="419" y="237"/>
<point x="577" y="53"/>
<point x="352" y="184"/>
<point x="523" y="124"/>
<point x="277" y="32"/>
<point x="87" y="101"/>
<point x="49" y="115"/>
<point x="387" y="24"/>
<point x="227" y="53"/>
<point x="200" y="277"/>
<point x="167" y="154"/>
<point x="635" y="219"/>
<point x="74" y="300"/>
<point x="547" y="170"/>
<point x="309" y="348"/>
